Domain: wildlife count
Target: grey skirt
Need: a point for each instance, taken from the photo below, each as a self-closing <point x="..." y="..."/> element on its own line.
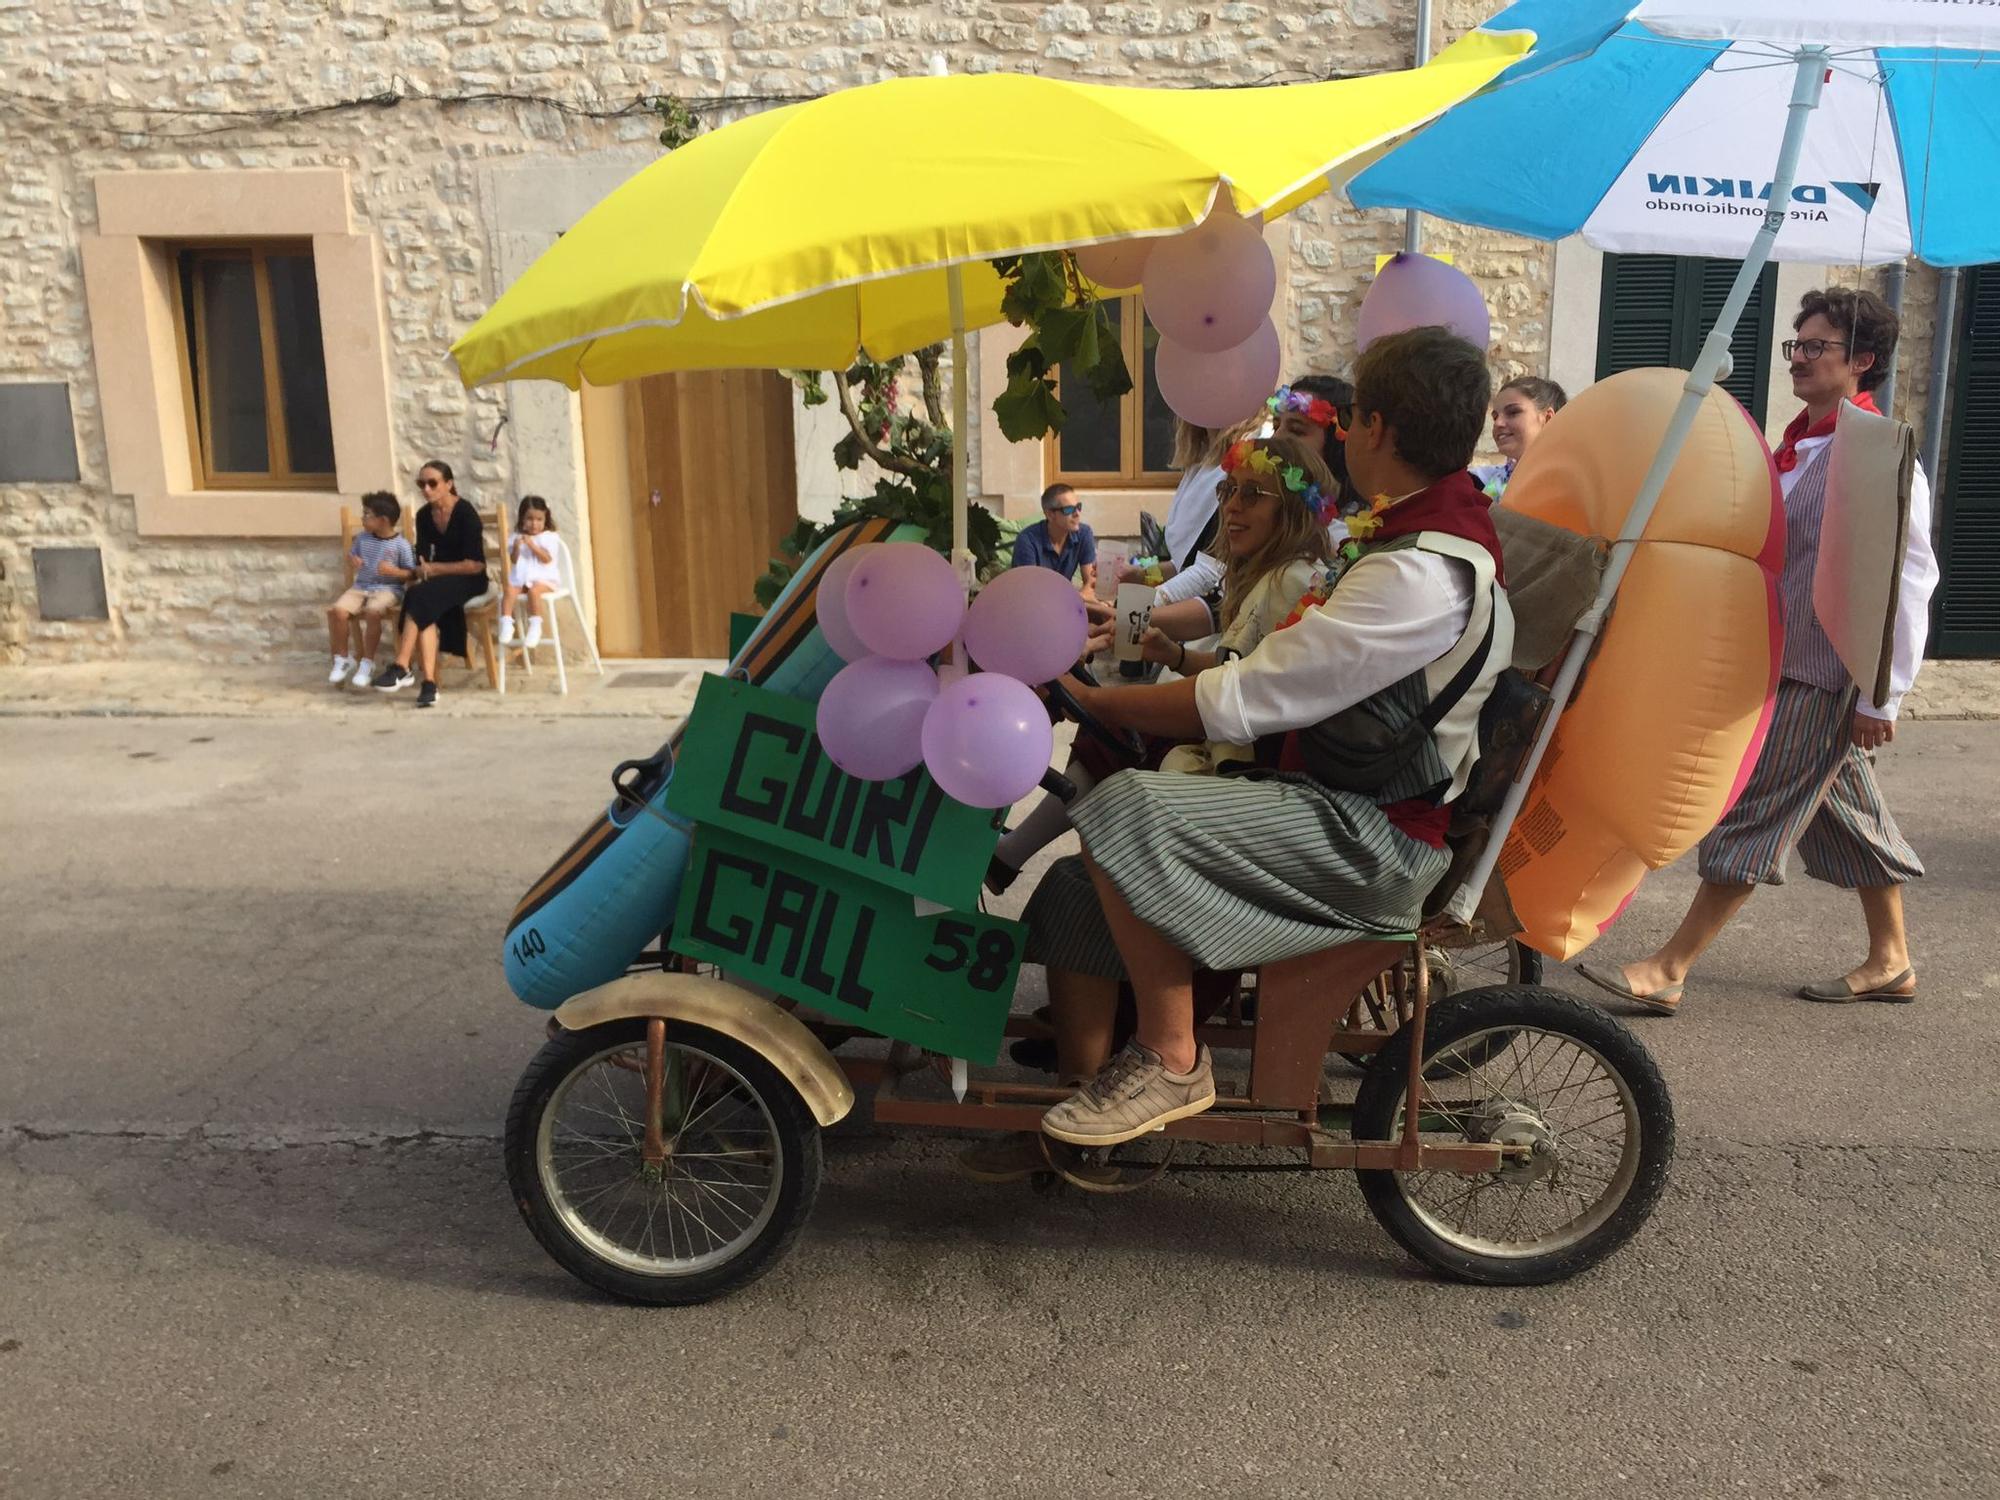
<point x="1232" y="871"/>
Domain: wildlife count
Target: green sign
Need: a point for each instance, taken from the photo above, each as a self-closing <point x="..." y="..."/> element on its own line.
<point x="751" y="764"/>
<point x="851" y="949"/>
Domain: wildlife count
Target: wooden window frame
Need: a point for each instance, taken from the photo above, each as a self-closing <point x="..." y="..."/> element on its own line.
<point x="195" y="382"/>
<point x="1131" y="475"/>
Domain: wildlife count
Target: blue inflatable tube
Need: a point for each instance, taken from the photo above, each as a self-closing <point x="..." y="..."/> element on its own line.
<point x="613" y="891"/>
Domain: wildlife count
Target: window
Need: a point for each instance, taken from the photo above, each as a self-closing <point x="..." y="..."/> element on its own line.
<point x="1128" y="442"/>
<point x="1656" y="309"/>
<point x="255" y="366"/>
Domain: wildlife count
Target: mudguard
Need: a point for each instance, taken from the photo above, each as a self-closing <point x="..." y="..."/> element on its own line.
<point x="777" y="1036"/>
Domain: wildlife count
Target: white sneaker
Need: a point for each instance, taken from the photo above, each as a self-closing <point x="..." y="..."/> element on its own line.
<point x="342" y="665"/>
<point x="534" y="632"/>
<point x="365" y="673"/>
<point x="506" y="630"/>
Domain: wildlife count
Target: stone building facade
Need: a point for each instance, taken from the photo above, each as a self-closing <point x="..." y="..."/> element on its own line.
<point x="428" y="150"/>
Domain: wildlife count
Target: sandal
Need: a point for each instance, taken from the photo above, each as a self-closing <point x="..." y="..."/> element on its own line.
<point x="1664" y="1001"/>
<point x="1840" y="992"/>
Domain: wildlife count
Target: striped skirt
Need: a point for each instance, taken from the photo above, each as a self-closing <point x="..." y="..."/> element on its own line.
<point x="1810" y="787"/>
<point x="1233" y="871"/>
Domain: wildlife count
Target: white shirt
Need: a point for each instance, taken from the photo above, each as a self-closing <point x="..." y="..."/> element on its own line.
<point x="1913" y="597"/>
<point x="1188" y="512"/>
<point x="1392" y="614"/>
<point x="1201" y="577"/>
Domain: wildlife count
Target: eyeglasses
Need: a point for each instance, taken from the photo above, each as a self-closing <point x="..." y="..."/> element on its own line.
<point x="1065" y="510"/>
<point x="1810" y="349"/>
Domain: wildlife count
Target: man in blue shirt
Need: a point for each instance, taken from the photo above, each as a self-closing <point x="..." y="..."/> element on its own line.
<point x="1060" y="540"/>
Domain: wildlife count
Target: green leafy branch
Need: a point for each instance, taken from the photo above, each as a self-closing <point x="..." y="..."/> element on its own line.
<point x="1068" y="327"/>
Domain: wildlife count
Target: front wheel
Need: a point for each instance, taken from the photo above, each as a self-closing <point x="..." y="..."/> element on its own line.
<point x="740" y="1176"/>
<point x="1570" y="1087"/>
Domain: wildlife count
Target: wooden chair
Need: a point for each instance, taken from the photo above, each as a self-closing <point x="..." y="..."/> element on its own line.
<point x="482" y="613"/>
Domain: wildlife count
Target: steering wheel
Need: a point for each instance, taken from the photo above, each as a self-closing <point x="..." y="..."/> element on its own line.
<point x="1127" y="745"/>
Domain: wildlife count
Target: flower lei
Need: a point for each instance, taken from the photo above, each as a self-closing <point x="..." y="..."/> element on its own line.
<point x="1245" y="454"/>
<point x="1315" y="409"/>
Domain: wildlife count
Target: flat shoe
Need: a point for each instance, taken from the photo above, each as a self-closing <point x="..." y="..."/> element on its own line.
<point x="1839" y="992"/>
<point x="1664" y="1001"/>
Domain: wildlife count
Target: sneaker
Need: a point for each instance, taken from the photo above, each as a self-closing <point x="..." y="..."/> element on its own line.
<point x="364" y="674"/>
<point x="1019" y="1156"/>
<point x="342" y="665"/>
<point x="1133" y="1096"/>
<point x="534" y="632"/>
<point x="392" y="677"/>
<point x="506" y="630"/>
<point x="427" y="695"/>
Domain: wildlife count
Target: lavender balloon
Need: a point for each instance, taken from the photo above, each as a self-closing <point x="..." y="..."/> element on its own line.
<point x="1115" y="264"/>
<point x="987" y="740"/>
<point x="1218" y="390"/>
<point x="830" y="603"/>
<point x="871" y="717"/>
<point x="1210" y="288"/>
<point x="904" y="601"/>
<point x="1415" y="291"/>
<point x="1028" y="623"/>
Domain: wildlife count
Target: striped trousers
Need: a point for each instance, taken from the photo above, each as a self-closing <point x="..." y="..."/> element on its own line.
<point x="1811" y="788"/>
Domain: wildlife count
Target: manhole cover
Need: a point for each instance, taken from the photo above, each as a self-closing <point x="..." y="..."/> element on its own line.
<point x="648" y="680"/>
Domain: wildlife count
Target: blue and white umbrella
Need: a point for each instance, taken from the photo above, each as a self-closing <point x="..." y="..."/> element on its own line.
<point x="1842" y="131"/>
<point x="1656" y="127"/>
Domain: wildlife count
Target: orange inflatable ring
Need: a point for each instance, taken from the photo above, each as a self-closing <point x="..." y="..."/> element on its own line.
<point x="1670" y="716"/>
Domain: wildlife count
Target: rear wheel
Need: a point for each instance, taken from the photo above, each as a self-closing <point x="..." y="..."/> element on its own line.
<point x="741" y="1173"/>
<point x="1566" y="1084"/>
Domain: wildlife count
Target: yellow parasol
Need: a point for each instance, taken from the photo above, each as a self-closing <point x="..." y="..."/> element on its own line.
<point x="864" y="221"/>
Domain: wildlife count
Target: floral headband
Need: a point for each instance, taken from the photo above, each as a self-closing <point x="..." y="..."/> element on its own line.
<point x="1245" y="454"/>
<point x="1315" y="409"/>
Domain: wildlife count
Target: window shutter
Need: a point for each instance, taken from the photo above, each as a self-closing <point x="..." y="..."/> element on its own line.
<point x="1750" y="344"/>
<point x="1966" y="610"/>
<point x="1635" y="319"/>
<point x="1656" y="309"/>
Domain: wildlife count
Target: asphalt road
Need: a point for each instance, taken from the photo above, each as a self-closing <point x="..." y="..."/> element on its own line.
<point x="254" y="1238"/>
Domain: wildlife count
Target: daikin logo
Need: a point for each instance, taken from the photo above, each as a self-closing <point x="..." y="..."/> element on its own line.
<point x="1744" y="189"/>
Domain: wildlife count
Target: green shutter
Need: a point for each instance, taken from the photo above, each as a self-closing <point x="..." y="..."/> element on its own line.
<point x="1965" y="614"/>
<point x="1656" y="309"/>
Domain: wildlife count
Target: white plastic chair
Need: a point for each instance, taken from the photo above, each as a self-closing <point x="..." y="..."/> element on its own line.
<point x="566" y="590"/>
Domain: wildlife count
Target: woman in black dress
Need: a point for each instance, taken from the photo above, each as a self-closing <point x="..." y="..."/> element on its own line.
<point x="451" y="569"/>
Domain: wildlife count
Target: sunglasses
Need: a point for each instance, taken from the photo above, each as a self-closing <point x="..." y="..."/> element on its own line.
<point x="429" y="484"/>
<point x="1065" y="510"/>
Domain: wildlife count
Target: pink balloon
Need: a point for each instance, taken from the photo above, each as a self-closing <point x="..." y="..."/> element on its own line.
<point x="1218" y="390"/>
<point x="1209" y="288"/>
<point x="1028" y="623"/>
<point x="987" y="740"/>
<point x="1415" y="291"/>
<point x="904" y="601"/>
<point x="871" y="717"/>
<point x="830" y="603"/>
<point x="1115" y="264"/>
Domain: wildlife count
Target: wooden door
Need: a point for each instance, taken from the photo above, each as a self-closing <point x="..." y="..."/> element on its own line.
<point x="712" y="488"/>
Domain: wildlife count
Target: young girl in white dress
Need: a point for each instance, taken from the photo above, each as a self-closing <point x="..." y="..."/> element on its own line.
<point x="532" y="568"/>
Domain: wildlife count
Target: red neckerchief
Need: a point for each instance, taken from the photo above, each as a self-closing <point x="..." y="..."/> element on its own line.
<point x="1803" y="427"/>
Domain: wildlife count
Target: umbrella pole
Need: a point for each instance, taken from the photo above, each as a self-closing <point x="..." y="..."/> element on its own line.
<point x="961" y="550"/>
<point x="1709" y="365"/>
